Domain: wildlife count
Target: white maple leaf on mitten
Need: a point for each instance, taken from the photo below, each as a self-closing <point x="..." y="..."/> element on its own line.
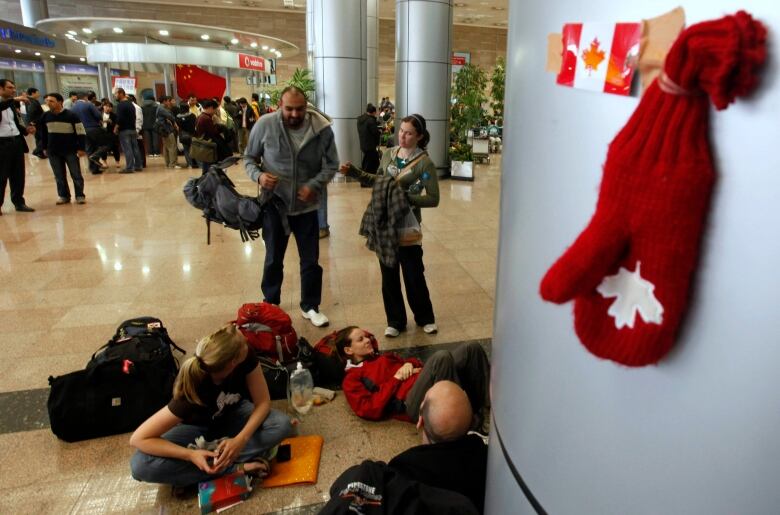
<point x="633" y="295"/>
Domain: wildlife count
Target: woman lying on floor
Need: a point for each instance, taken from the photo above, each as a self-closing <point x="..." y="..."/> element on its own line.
<point x="385" y="385"/>
<point x="219" y="394"/>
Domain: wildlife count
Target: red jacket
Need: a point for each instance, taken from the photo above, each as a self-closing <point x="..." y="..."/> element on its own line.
<point x="373" y="392"/>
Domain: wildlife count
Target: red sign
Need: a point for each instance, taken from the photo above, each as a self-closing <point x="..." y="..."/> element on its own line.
<point x="459" y="60"/>
<point x="251" y="62"/>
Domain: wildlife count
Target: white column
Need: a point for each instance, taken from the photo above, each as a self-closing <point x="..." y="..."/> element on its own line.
<point x="310" y="46"/>
<point x="167" y="78"/>
<point x="33" y="11"/>
<point x="422" y="69"/>
<point x="227" y="83"/>
<point x="339" y="28"/>
<point x="372" y="52"/>
<point x="50" y="76"/>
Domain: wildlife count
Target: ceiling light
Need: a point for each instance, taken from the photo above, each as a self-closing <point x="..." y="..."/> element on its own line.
<point x="18" y="51"/>
<point x="84" y="43"/>
<point x="38" y="54"/>
<point x="83" y="59"/>
<point x="53" y="56"/>
<point x="253" y="44"/>
<point x="118" y="30"/>
<point x="265" y="47"/>
<point x="278" y="54"/>
<point x="85" y="30"/>
<point x="234" y="41"/>
<point x="72" y="32"/>
<point x="497" y="8"/>
<point x="204" y="37"/>
<point x="164" y="32"/>
<point x="273" y="50"/>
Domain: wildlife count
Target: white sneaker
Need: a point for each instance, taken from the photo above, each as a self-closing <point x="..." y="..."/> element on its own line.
<point x="430" y="329"/>
<point x="391" y="332"/>
<point x="316" y="317"/>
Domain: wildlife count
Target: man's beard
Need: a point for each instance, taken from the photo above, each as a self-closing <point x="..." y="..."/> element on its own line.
<point x="294" y="123"/>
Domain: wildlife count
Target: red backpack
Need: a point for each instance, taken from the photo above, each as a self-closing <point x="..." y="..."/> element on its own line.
<point x="269" y="330"/>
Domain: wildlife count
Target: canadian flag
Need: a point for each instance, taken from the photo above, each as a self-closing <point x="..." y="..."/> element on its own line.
<point x="600" y="56"/>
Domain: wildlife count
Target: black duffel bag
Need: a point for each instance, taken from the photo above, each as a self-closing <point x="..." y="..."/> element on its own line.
<point x="126" y="381"/>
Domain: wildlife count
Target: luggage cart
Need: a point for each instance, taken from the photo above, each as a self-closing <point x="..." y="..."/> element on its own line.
<point x="480" y="148"/>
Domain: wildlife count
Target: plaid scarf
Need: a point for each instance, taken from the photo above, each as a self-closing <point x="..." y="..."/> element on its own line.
<point x="384" y="214"/>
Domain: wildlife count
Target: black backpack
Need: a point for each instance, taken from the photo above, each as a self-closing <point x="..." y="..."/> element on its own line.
<point x="374" y="488"/>
<point x="126" y="381"/>
<point x="216" y="196"/>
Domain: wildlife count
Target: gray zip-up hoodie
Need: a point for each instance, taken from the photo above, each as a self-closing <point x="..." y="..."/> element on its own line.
<point x="270" y="150"/>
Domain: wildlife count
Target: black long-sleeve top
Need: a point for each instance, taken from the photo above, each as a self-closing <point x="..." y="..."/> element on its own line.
<point x="61" y="133"/>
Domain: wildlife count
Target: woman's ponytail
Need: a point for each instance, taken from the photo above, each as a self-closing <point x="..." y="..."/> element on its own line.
<point x="212" y="354"/>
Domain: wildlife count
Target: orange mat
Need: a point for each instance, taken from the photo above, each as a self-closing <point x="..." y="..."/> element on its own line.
<point x="304" y="464"/>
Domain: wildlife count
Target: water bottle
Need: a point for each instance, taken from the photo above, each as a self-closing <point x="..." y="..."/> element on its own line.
<point x="301" y="386"/>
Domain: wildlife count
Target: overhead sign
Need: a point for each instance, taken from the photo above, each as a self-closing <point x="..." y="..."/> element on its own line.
<point x="251" y="62"/>
<point x="13" y="64"/>
<point x="13" y="34"/>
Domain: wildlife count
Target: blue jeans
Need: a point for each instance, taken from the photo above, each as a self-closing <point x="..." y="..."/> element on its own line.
<point x="322" y="211"/>
<point x="172" y="471"/>
<point x="128" y="139"/>
<point x="307" y="237"/>
<point x="58" y="167"/>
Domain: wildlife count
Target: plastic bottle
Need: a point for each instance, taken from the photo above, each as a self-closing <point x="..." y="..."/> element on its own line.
<point x="301" y="386"/>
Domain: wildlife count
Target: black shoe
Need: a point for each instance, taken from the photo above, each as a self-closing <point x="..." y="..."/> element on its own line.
<point x="97" y="172"/>
<point x="94" y="158"/>
<point x="24" y="208"/>
<point x="125" y="171"/>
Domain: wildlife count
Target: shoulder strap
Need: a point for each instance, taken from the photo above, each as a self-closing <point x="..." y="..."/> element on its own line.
<point x="409" y="166"/>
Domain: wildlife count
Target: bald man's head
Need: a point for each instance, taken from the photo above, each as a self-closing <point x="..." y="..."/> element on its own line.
<point x="445" y="413"/>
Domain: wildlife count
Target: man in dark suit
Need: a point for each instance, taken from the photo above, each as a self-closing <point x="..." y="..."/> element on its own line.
<point x="368" y="131"/>
<point x="13" y="146"/>
<point x="34" y="114"/>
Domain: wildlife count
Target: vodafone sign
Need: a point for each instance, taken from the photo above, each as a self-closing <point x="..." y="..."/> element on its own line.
<point x="251" y="62"/>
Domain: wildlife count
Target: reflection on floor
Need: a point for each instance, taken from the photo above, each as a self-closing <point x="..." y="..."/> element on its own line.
<point x="71" y="273"/>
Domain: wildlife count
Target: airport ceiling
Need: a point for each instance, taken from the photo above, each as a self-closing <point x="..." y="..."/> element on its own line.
<point x="485" y="13"/>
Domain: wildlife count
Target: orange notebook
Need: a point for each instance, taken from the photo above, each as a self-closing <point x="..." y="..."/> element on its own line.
<point x="304" y="464"/>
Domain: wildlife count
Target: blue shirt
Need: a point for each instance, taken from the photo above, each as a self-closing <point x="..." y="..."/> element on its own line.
<point x="88" y="114"/>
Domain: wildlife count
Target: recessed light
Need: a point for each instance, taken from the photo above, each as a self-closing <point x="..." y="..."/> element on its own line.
<point x="118" y="30"/>
<point x="273" y="50"/>
<point x="460" y="4"/>
<point x="234" y="41"/>
<point x="18" y="51"/>
<point x="253" y="44"/>
<point x="164" y="32"/>
<point x="85" y="43"/>
<point x="82" y="59"/>
<point x="53" y="56"/>
<point x="265" y="47"/>
<point x="85" y="30"/>
<point x="278" y="54"/>
<point x="204" y="37"/>
<point x="72" y="32"/>
<point x="38" y="54"/>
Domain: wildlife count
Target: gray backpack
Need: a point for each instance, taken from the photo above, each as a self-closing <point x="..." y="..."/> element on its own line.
<point x="216" y="196"/>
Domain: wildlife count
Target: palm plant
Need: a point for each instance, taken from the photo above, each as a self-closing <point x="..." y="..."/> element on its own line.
<point x="497" y="81"/>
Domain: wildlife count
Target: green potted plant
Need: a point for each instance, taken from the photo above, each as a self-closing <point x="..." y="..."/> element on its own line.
<point x="468" y="92"/>
<point x="497" y="81"/>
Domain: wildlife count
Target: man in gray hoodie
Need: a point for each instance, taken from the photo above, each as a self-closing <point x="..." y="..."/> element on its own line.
<point x="292" y="154"/>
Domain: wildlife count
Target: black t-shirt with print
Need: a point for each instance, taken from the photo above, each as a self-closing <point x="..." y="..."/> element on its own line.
<point x="216" y="397"/>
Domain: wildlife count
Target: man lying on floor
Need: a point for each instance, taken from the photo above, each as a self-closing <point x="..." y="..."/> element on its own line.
<point x="444" y="475"/>
<point x="385" y="385"/>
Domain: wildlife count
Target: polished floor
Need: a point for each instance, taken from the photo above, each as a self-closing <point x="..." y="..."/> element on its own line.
<point x="71" y="273"/>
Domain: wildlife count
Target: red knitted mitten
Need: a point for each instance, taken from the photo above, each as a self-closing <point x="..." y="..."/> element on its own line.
<point x="630" y="269"/>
